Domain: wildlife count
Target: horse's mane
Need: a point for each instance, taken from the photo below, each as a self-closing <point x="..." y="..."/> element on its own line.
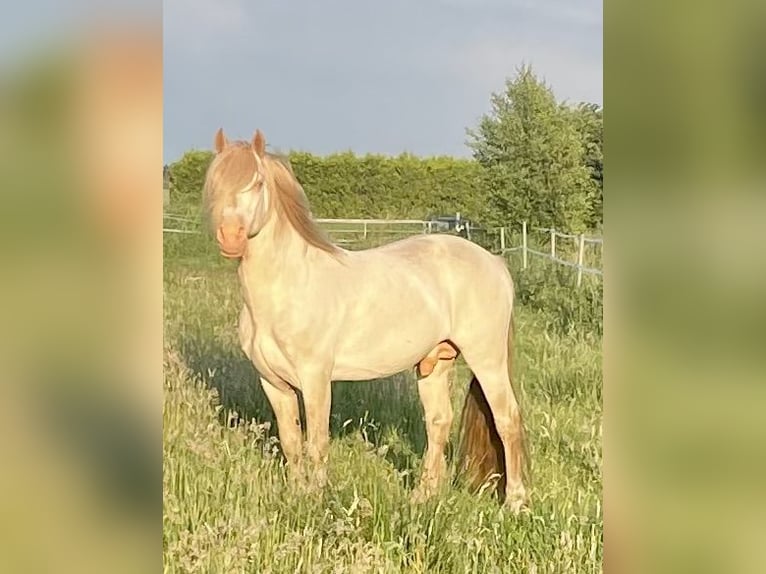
<point x="229" y="171"/>
<point x="291" y="202"/>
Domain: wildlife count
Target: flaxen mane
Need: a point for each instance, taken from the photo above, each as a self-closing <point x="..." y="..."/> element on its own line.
<point x="233" y="168"/>
<point x="291" y="202"/>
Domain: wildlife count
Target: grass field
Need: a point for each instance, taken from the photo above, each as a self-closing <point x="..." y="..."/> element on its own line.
<point x="228" y="508"/>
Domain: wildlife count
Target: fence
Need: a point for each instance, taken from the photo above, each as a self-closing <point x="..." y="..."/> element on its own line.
<point x="361" y="231"/>
<point x="581" y="240"/>
<point x="348" y="232"/>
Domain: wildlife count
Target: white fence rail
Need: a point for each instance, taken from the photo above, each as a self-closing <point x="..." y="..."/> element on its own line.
<point x="581" y="240"/>
<point x="365" y="228"/>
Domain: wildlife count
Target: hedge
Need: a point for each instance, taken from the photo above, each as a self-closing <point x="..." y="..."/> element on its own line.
<point x="345" y="185"/>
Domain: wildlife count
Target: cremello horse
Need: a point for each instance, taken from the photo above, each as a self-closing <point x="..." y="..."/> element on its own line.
<point x="315" y="313"/>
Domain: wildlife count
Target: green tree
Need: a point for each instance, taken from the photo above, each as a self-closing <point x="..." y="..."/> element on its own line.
<point x="188" y="176"/>
<point x="534" y="156"/>
<point x="589" y="119"/>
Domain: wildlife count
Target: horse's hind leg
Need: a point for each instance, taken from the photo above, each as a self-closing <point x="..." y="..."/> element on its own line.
<point x="496" y="386"/>
<point x="434" y="394"/>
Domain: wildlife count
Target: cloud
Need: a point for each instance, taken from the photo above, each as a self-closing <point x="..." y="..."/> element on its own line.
<point x="584" y="12"/>
<point x="573" y="71"/>
<point x="191" y="21"/>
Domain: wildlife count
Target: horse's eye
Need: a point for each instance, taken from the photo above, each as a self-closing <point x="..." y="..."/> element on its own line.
<point x="255" y="187"/>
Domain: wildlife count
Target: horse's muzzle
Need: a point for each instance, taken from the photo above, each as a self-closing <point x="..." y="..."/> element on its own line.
<point x="232" y="239"/>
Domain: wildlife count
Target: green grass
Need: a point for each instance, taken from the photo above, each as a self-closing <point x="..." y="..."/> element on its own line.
<point x="228" y="507"/>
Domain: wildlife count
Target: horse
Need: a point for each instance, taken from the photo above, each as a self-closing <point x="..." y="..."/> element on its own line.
<point x="315" y="313"/>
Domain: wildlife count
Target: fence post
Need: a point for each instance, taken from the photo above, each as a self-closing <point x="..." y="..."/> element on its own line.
<point x="365" y="230"/>
<point x="553" y="243"/>
<point x="502" y="240"/>
<point x="523" y="244"/>
<point x="580" y="253"/>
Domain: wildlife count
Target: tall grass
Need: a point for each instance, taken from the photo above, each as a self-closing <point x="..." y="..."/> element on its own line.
<point x="228" y="507"/>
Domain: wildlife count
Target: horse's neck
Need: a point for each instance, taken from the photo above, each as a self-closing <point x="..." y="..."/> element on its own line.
<point x="276" y="260"/>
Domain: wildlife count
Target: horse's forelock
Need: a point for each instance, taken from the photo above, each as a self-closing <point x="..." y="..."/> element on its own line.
<point x="228" y="173"/>
<point x="235" y="166"/>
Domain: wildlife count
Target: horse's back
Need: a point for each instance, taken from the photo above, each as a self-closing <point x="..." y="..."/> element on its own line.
<point x="453" y="257"/>
<point x="447" y="269"/>
<point x="431" y="249"/>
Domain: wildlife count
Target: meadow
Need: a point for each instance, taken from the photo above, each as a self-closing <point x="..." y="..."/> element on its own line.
<point x="228" y="507"/>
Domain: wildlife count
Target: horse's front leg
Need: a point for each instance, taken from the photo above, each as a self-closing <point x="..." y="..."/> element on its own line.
<point x="317" y="397"/>
<point x="284" y="402"/>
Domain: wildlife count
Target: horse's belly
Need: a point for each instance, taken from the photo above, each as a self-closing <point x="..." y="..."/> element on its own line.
<point x="369" y="371"/>
<point x="383" y="354"/>
<point x="365" y="371"/>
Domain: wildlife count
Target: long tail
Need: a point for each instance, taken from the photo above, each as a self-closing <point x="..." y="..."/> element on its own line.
<point x="480" y="452"/>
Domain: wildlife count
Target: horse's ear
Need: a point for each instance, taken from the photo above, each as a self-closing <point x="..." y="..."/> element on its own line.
<point x="220" y="141"/>
<point x="259" y="143"/>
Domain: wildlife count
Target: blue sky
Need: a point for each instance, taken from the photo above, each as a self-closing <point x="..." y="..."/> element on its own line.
<point x="380" y="77"/>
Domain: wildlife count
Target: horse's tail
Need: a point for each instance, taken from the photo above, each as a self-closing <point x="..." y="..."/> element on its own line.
<point x="480" y="452"/>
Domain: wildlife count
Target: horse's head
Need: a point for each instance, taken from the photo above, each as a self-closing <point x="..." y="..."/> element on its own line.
<point x="236" y="192"/>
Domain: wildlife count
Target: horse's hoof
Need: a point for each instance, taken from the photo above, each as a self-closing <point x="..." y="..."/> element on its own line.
<point x="516" y="501"/>
<point x="417" y="497"/>
<point x="421" y="495"/>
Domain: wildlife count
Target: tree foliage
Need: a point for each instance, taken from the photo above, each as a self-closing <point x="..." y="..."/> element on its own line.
<point x="589" y="120"/>
<point x="535" y="156"/>
<point x="375" y="186"/>
<point x="188" y="176"/>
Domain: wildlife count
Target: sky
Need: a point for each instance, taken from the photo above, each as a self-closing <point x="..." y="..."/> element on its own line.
<point x="369" y="77"/>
